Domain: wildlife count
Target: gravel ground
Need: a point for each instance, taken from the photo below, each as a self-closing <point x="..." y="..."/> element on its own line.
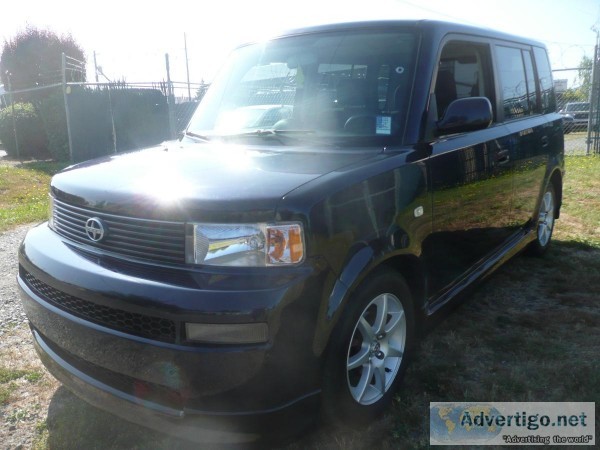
<point x="575" y="144"/>
<point x="26" y="408"/>
<point x="11" y="311"/>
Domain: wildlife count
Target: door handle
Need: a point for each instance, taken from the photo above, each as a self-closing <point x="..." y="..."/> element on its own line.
<point x="503" y="156"/>
<point x="544" y="140"/>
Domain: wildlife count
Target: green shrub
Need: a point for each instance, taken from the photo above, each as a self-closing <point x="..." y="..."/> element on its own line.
<point x="91" y="126"/>
<point x="52" y="115"/>
<point x="141" y="118"/>
<point x="30" y="132"/>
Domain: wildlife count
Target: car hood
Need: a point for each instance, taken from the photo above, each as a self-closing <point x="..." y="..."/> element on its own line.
<point x="209" y="182"/>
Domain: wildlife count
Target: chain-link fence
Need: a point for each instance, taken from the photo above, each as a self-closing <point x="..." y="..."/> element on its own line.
<point x="578" y="92"/>
<point x="22" y="127"/>
<point x="594" y="121"/>
<point x="80" y="121"/>
<point x="572" y="88"/>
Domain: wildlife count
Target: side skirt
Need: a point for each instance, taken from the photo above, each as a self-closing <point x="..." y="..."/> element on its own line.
<point x="481" y="270"/>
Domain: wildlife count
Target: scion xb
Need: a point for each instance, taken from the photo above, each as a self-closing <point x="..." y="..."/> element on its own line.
<point x="255" y="271"/>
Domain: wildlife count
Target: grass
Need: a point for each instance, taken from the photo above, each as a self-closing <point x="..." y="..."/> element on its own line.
<point x="8" y="378"/>
<point x="24" y="192"/>
<point x="581" y="211"/>
<point x="6" y="391"/>
<point x="40" y="440"/>
<point x="531" y="332"/>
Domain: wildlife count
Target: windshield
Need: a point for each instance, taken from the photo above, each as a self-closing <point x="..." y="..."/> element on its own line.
<point x="350" y="88"/>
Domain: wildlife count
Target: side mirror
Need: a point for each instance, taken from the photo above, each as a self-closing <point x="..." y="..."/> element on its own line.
<point x="466" y="114"/>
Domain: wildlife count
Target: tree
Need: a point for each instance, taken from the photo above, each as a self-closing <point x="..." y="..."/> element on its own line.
<point x="584" y="74"/>
<point x="584" y="81"/>
<point x="34" y="58"/>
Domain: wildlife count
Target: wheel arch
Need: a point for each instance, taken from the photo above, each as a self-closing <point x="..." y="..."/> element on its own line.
<point x="411" y="269"/>
<point x="364" y="265"/>
<point x="557" y="182"/>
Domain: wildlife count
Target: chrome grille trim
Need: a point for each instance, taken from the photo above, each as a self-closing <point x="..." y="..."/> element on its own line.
<point x="129" y="237"/>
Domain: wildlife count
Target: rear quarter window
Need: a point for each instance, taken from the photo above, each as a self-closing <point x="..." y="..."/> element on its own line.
<point x="548" y="99"/>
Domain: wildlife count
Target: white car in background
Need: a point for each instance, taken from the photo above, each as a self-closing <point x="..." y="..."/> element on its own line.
<point x="575" y="116"/>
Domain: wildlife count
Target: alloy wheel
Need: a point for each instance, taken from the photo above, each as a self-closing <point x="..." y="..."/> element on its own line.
<point x="376" y="349"/>
<point x="546" y="219"/>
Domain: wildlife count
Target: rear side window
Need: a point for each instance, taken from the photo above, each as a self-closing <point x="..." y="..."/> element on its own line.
<point x="547" y="97"/>
<point x="517" y="82"/>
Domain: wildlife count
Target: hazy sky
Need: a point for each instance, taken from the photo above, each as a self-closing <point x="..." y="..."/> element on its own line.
<point x="130" y="37"/>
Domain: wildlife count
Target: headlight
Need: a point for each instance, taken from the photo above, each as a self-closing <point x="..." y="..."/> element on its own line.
<point x="249" y="245"/>
<point x="51" y="212"/>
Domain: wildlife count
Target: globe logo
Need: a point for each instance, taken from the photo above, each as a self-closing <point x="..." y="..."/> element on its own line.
<point x="462" y="422"/>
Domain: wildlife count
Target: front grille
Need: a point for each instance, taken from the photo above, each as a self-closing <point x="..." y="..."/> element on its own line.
<point x="154" y="240"/>
<point x="151" y="327"/>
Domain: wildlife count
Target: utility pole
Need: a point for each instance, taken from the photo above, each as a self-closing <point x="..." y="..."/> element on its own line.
<point x="110" y="105"/>
<point x="594" y="114"/>
<point x="95" y="67"/>
<point x="187" y="68"/>
<point x="171" y="100"/>
<point x="65" y="96"/>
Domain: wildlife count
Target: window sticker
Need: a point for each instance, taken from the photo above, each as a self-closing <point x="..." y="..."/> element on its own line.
<point x="299" y="77"/>
<point x="384" y="125"/>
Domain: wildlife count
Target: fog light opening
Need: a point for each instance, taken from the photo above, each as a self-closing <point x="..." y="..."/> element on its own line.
<point x="230" y="333"/>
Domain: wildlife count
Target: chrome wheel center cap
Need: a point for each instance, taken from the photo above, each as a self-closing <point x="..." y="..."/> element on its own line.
<point x="376" y="351"/>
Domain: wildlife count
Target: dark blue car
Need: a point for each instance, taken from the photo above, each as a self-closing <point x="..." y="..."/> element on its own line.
<point x="235" y="282"/>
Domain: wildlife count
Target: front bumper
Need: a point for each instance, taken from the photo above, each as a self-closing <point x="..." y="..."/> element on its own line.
<point x="91" y="329"/>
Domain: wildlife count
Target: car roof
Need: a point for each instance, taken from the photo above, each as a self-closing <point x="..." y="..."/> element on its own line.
<point x="436" y="28"/>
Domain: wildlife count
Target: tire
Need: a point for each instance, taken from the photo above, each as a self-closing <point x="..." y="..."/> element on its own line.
<point x="545" y="223"/>
<point x="369" y="351"/>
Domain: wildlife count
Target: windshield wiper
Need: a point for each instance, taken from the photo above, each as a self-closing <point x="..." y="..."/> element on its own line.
<point x="271" y="132"/>
<point x="298" y="132"/>
<point x="197" y="136"/>
<point x="282" y="136"/>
